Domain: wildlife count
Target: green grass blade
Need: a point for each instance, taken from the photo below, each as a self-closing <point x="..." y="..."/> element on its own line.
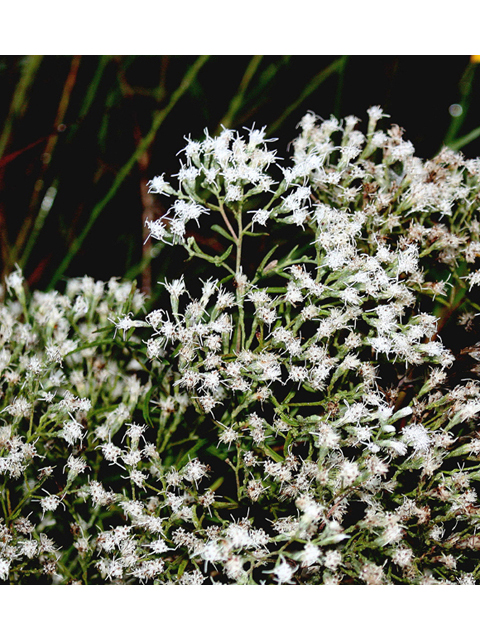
<point x="315" y="82"/>
<point x="464" y="140"/>
<point x="465" y="87"/>
<point x="20" y="98"/>
<point x="238" y="99"/>
<point x="260" y="91"/>
<point x="38" y="223"/>
<point x="93" y="87"/>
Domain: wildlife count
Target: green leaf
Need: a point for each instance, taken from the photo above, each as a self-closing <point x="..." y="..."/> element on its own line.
<point x="96" y="343"/>
<point x="182" y="567"/>
<point x="146" y="407"/>
<point x="216" y="452"/>
<point x="255" y="234"/>
<point x="219" y="259"/>
<point x="215" y="485"/>
<point x="266" y="259"/>
<point x="273" y="454"/>
<point x="225" y="505"/>
<point x="191" y="453"/>
<point x="218" y="229"/>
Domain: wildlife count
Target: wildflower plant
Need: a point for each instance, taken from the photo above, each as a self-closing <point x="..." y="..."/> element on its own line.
<point x="292" y="417"/>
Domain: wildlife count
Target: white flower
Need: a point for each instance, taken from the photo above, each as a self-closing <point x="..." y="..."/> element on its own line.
<point x="283" y="572"/>
<point x="186" y="211"/>
<point x="125" y="323"/>
<point x="333" y="559"/>
<point x="159" y="185"/>
<point x="348" y="472"/>
<point x="310" y="555"/>
<point x="75" y="466"/>
<point x="72" y="431"/>
<point x="261" y="216"/>
<point x="474" y="278"/>
<point x="20" y="408"/>
<point x="50" y="503"/>
<point x="194" y="471"/>
<point x="375" y="114"/>
<point x="158" y="230"/>
<point x="15" y="281"/>
<point x="4" y="568"/>
<point x="417" y="436"/>
<point x="176" y="287"/>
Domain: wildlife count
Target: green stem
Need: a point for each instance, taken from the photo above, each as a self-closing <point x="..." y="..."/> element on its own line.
<point x="238" y="99"/>
<point x="20" y="98"/>
<point x="25" y="498"/>
<point x="315" y="82"/>
<point x="239" y="242"/>
<point x="227" y="222"/>
<point x="465" y="87"/>
<point x="240" y="341"/>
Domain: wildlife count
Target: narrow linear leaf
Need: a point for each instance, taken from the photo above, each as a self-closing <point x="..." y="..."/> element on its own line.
<point x="218" y="229"/>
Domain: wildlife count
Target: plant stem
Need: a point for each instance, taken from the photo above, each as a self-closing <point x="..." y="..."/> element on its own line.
<point x="238" y="99"/>
<point x="227" y="222"/>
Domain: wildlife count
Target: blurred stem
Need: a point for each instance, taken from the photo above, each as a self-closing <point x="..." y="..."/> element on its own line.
<point x="144" y="263"/>
<point x="456" y="145"/>
<point x="17" y="109"/>
<point x="125" y="170"/>
<point x="456" y="299"/>
<point x="237" y="101"/>
<point x="259" y="92"/>
<point x="38" y="225"/>
<point x="20" y="98"/>
<point x="338" y="94"/>
<point x="46" y="157"/>
<point x="239" y="243"/>
<point x="86" y="104"/>
<point x="465" y="88"/>
<point x="336" y="67"/>
<point x="92" y="89"/>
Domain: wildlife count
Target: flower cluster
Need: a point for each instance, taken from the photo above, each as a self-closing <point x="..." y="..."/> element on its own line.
<point x="299" y="416"/>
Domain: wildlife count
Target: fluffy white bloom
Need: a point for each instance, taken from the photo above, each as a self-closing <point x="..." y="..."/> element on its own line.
<point x="418" y="437"/>
<point x="158" y="185"/>
<point x="158" y="229"/>
<point x="474" y="278"/>
<point x="72" y="431"/>
<point x="283" y="572"/>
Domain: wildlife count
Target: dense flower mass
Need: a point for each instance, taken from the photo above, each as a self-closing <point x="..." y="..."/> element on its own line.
<point x="297" y="416"/>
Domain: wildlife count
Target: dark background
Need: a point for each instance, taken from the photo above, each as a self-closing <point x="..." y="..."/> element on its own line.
<point x="73" y="122"/>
